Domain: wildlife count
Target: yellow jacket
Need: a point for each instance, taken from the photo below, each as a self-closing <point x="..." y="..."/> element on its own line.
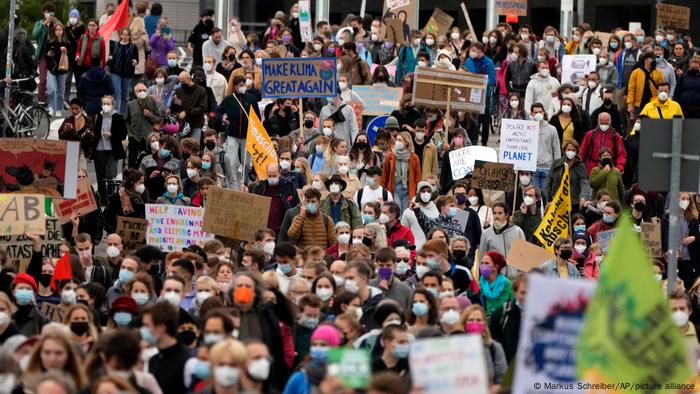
<point x="635" y="87"/>
<point x="573" y="48"/>
<point x="430" y="163"/>
<point x="669" y="109"/>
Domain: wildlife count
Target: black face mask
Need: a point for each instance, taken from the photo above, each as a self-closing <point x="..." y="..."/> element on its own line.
<point x="231" y="58"/>
<point x="459" y="255"/>
<point x="565" y="254"/>
<point x="639" y="206"/>
<point x="607" y="102"/>
<point x="79" y="328"/>
<point x="606" y="162"/>
<point x="210" y="145"/>
<point x="367" y="241"/>
<point x="45" y="279"/>
<point x="381" y="77"/>
<point x="185" y="155"/>
<point x="693" y="71"/>
<point x="187" y="337"/>
<point x="308" y="124"/>
<point x="361" y="145"/>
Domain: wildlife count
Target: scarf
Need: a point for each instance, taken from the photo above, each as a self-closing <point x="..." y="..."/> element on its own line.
<point x="173" y="200"/>
<point x="124" y="198"/>
<point x="402" y="156"/>
<point x="492" y="290"/>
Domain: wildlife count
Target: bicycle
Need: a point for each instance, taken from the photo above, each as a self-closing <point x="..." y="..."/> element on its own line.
<point x="26" y="118"/>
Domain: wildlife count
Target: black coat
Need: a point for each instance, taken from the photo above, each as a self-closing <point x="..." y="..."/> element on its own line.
<point x="114" y="209"/>
<point x="579" y="130"/>
<point x="168" y="367"/>
<point x="93" y="85"/>
<point x="118" y="131"/>
<point x="504" y="325"/>
<point x="687" y="94"/>
<point x="285" y="189"/>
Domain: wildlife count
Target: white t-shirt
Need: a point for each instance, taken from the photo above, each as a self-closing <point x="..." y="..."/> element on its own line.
<point x="371" y="195"/>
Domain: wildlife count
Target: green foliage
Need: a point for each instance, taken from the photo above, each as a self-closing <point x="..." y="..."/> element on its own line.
<point x="30" y="11"/>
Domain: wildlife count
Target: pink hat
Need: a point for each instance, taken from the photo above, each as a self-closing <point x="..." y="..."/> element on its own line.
<point x="328" y="334"/>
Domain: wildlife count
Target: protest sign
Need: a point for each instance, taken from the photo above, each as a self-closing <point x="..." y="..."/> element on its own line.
<point x="462" y="160"/>
<point x="22" y="213"/>
<point x="19" y="247"/>
<point x="379" y="100"/>
<point x="603" y="239"/>
<point x="407" y="16"/>
<point x="550" y="330"/>
<point x="357" y="108"/>
<point x="493" y="176"/>
<point x="651" y="236"/>
<point x="605" y="37"/>
<point x="525" y="256"/>
<point x="436" y="88"/>
<point x="352" y="366"/>
<point x="132" y="231"/>
<point x="449" y="365"/>
<point x="511" y="7"/>
<point x="394" y="31"/>
<point x="575" y="68"/>
<point x="393" y="4"/>
<point x="259" y="145"/>
<point x="83" y="204"/>
<point x="677" y="16"/>
<point x="31" y="166"/>
<point x="439" y="23"/>
<point x="556" y="221"/>
<point x="305" y="28"/>
<point x="235" y="214"/>
<point x="299" y="77"/>
<point x="173" y="227"/>
<point x="390" y="69"/>
<point x="519" y="143"/>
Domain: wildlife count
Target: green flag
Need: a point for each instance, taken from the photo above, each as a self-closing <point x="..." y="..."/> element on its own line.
<point x="628" y="334"/>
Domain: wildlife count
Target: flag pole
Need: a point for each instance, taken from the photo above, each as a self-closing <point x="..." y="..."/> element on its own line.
<point x="245" y="152"/>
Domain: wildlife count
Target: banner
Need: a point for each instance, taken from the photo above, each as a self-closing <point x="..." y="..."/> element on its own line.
<point x="83" y="204"/>
<point x="235" y="214"/>
<point x="549" y="333"/>
<point x="462" y="160"/>
<point x="493" y="176"/>
<point x="628" y="334"/>
<point x="651" y="236"/>
<point x="434" y="88"/>
<point x="259" y="146"/>
<point x="519" y="143"/>
<point x="449" y="365"/>
<point x="556" y="221"/>
<point x="299" y="78"/>
<point x="46" y="167"/>
<point x="439" y="23"/>
<point x="22" y="213"/>
<point x="132" y="231"/>
<point x="19" y="247"/>
<point x="511" y="7"/>
<point x="173" y="227"/>
<point x="379" y="100"/>
<point x="352" y="366"/>
<point x="669" y="15"/>
<point x="305" y="25"/>
<point x="574" y="68"/>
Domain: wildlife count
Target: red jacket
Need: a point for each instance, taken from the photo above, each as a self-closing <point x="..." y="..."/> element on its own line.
<point x="597" y="227"/>
<point x="399" y="231"/>
<point x="591" y="267"/>
<point x="590" y="146"/>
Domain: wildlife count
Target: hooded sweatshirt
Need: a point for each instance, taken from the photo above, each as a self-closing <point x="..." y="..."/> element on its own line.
<point x="409" y="220"/>
<point x="540" y="89"/>
<point x="493" y="240"/>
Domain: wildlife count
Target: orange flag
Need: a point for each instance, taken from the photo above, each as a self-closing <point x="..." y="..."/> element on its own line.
<point x="119" y="19"/>
<point x="259" y="145"/>
<point x="63" y="269"/>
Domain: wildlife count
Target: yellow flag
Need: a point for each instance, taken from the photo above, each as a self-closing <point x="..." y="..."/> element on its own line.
<point x="555" y="223"/>
<point x="259" y="145"/>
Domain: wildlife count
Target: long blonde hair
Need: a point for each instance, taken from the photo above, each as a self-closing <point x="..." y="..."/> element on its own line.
<point x="691" y="213"/>
<point x="72" y="366"/>
<point x="306" y="169"/>
<point x="465" y="315"/>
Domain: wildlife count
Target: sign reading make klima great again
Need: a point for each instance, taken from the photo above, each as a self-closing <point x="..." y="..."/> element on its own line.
<point x="302" y="77"/>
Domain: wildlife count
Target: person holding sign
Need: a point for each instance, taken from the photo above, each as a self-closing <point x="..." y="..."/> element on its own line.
<point x="580" y="188"/>
<point x="233" y="112"/>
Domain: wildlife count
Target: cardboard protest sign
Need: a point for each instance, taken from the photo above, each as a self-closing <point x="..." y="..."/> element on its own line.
<point x="390" y="69"/>
<point x="407" y="16"/>
<point x="651" y="236"/>
<point x="519" y="143"/>
<point x="574" y="68"/>
<point x="549" y="333"/>
<point x="604" y="37"/>
<point x="394" y="31"/>
<point x="449" y="365"/>
<point x="83" y="204"/>
<point x="173" y="227"/>
<point x="235" y="214"/>
<point x="435" y="88"/>
<point x="31" y="166"/>
<point x="352" y="366"/>
<point x="357" y="108"/>
<point x="673" y="15"/>
<point x="259" y="145"/>
<point x="19" y="247"/>
<point x="603" y="239"/>
<point x="305" y="26"/>
<point x="493" y="176"/>
<point x="299" y="77"/>
<point x="525" y="256"/>
<point x="439" y="23"/>
<point x="379" y="100"/>
<point x="462" y="160"/>
<point x="511" y="7"/>
<point x="132" y="231"/>
<point x="22" y="213"/>
<point x="556" y="221"/>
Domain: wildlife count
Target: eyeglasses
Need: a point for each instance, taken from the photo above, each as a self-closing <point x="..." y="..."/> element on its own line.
<point x="405" y="260"/>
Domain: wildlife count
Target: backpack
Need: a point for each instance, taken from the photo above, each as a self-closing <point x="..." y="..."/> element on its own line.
<point x="385" y="196"/>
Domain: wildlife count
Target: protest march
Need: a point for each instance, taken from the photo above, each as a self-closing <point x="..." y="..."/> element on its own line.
<point x="382" y="202"/>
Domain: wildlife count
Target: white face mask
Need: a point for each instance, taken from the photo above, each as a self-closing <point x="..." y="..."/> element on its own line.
<point x="141" y="95"/>
<point x="173" y="298"/>
<point x="592" y="84"/>
<point x="327" y="131"/>
<point x="73" y="21"/>
<point x="570" y="154"/>
<point x="226" y="376"/>
<point x="106" y="109"/>
<point x="285" y="164"/>
<point x="524" y="36"/>
<point x="191" y="172"/>
<point x="604" y="127"/>
<point x="140" y="188"/>
<point x="269" y="247"/>
<point x="208" y="67"/>
<point x="628" y="45"/>
<point x="5" y="319"/>
<point x="485" y="40"/>
<point x="343" y="169"/>
<point x="258" y="61"/>
<point x="529" y="200"/>
<point x="473" y="200"/>
<point x="317" y="185"/>
<point x="324" y="293"/>
<point x="493" y="40"/>
<point x="344" y="239"/>
<point x="422" y="63"/>
<point x="420" y="135"/>
<point x="602" y="61"/>
<point x="69" y="297"/>
<point x="450" y="318"/>
<point x="596" y="51"/>
<point x="683" y="204"/>
<point x="339" y="280"/>
<point x="566" y="109"/>
<point x="663" y="96"/>
<point x="524" y="180"/>
<point x="421" y="270"/>
<point x="259" y="369"/>
<point x="514" y="104"/>
<point x="202" y="296"/>
<point x="540" y="58"/>
<point x="399" y="145"/>
<point x="241" y="90"/>
<point x="155" y="145"/>
<point x="172" y="189"/>
<point x="343" y="85"/>
<point x="679" y="318"/>
<point x="429" y="41"/>
<point x="416" y="41"/>
<point x="544" y="72"/>
<point x="426" y="197"/>
<point x="454" y="35"/>
<point x="538" y="116"/>
<point x="473" y="54"/>
<point x="580" y="248"/>
<point x="113" y="251"/>
<point x="335" y="188"/>
<point x="160" y="81"/>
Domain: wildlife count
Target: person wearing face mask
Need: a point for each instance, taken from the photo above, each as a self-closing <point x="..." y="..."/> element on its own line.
<point x="402" y="171"/>
<point x="575" y="46"/>
<point x="477" y="63"/>
<point x="130" y="200"/>
<point x="346" y="92"/>
<point x="501" y="235"/>
<point x="308" y="318"/>
<point x="687" y="92"/>
<point x="540" y="87"/>
<point x="308" y="379"/>
<point x="28" y="318"/>
<point x="606" y="69"/>
<point x="215" y="80"/>
<point x="200" y="34"/>
<point x="173" y="192"/>
<point x="584" y="257"/>
<point x="229" y="64"/>
<point x="561" y="266"/>
<point x="356" y="69"/>
<point x="591" y="93"/>
<point x="337" y="206"/>
<point x="666" y="68"/>
<point x="689" y="251"/>
<point x="141" y="115"/>
<point x="681" y="309"/>
<point x="611" y="212"/>
<point x="123" y="56"/>
<point x="190" y="104"/>
<point x="580" y="187"/>
<point x="424" y="203"/>
<point x="643" y="82"/>
<point x="568" y="120"/>
<point x="407" y="56"/>
<point x="394" y="356"/>
<point x="448" y="315"/>
<point x="548" y="145"/>
<point x="520" y="68"/>
<point x="626" y="58"/>
<point x="373" y="191"/>
<point x="107" y="147"/>
<point x="163" y="50"/>
<point x="232" y="112"/>
<point x="283" y="118"/>
<point x="343" y="116"/>
<point x="610" y="107"/>
<point x="662" y="106"/>
<point x="73" y="30"/>
<point x="214" y="46"/>
<point x="529" y="215"/>
<point x="311" y="226"/>
<point x="606" y="176"/>
<point x="77" y="127"/>
<point x="282" y="192"/>
<point x="128" y="268"/>
<point x="599" y="138"/>
<point x="444" y="61"/>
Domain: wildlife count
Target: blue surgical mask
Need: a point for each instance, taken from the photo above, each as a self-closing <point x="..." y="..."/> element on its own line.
<point x="172" y="62"/>
<point x="550" y="40"/>
<point x="401" y="351"/>
<point x="452" y="212"/>
<point x="125" y="276"/>
<point x="370" y="181"/>
<point x="206" y="166"/>
<point x="433" y="290"/>
<point x="147" y="336"/>
<point x="613" y="44"/>
<point x="401" y="268"/>
<point x="432" y="263"/>
<point x="122" y="318"/>
<point x="24" y="296"/>
<point x="164" y="153"/>
<point x="284" y="268"/>
<point x="308" y="322"/>
<point x="202" y="370"/>
<point x="419" y="309"/>
<point x="319" y="354"/>
<point x="367" y="218"/>
<point x="140" y="298"/>
<point x="580" y="227"/>
<point x="312" y="208"/>
<point x="608" y="219"/>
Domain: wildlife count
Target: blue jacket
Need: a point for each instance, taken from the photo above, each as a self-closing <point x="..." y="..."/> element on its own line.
<point x="551" y="271"/>
<point x="406" y="63"/>
<point x="485" y="66"/>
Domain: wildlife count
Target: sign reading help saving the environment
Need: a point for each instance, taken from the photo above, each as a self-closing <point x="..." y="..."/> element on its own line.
<point x="462" y="160"/>
<point x="173" y="227"/>
<point x="449" y="365"/>
<point x="511" y="7"/>
<point x="22" y="213"/>
<point x="493" y="176"/>
<point x="519" y="143"/>
<point x="379" y="100"/>
<point x="549" y="336"/>
<point x="434" y="88"/>
<point x="235" y="214"/>
<point x="299" y="78"/>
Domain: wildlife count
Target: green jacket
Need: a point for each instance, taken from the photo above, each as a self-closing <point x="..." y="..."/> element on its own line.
<point x="349" y="212"/>
<point x="610" y="180"/>
<point x="40" y="34"/>
<point x="528" y="222"/>
<point x="302" y="342"/>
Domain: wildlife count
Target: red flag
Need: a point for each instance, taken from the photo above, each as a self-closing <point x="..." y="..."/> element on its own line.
<point x="63" y="269"/>
<point x="511" y="19"/>
<point x="119" y="19"/>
